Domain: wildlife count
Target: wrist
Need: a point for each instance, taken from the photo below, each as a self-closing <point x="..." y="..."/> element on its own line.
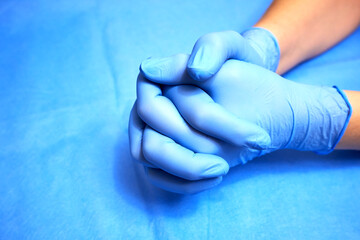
<point x="351" y="137"/>
<point x="265" y="44"/>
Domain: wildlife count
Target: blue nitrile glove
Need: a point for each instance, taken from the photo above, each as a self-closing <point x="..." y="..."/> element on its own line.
<point x="295" y="116"/>
<point x="190" y="148"/>
<point x="255" y="45"/>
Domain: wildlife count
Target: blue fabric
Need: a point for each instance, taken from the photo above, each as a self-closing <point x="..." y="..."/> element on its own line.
<point x="67" y="82"/>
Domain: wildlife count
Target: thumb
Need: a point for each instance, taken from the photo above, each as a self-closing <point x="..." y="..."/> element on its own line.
<point x="169" y="70"/>
<point x="213" y="49"/>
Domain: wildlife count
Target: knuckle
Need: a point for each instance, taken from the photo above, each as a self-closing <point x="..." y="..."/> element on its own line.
<point x="143" y="109"/>
<point x="211" y="38"/>
<point x="156" y="150"/>
<point x="149" y="147"/>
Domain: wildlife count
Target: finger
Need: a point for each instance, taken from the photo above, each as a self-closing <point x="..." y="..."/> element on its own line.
<point x="205" y="115"/>
<point x="136" y="130"/>
<point x="248" y="154"/>
<point x="172" y="183"/>
<point x="213" y="49"/>
<point x="160" y="113"/>
<point x="177" y="160"/>
<point x="169" y="70"/>
<point x="202" y="113"/>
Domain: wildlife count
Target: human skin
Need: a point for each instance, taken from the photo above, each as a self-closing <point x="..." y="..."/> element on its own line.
<point x="306" y="28"/>
<point x="351" y="137"/>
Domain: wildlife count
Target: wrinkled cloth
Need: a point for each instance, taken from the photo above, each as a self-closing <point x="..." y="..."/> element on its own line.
<point x="67" y="83"/>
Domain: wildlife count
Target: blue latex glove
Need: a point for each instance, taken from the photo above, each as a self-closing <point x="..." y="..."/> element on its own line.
<point x="256" y="45"/>
<point x="294" y="115"/>
<point x="191" y="147"/>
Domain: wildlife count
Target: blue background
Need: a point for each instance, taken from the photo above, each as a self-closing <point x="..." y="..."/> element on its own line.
<point x="67" y="83"/>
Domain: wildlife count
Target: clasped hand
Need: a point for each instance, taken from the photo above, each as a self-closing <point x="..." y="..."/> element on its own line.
<point x="187" y="133"/>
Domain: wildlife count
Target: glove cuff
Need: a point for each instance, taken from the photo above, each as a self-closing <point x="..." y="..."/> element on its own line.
<point x="319" y="118"/>
<point x="265" y="43"/>
<point x="341" y="133"/>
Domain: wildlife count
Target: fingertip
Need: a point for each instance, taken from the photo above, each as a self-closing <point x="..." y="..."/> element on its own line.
<point x="140" y="69"/>
<point x="249" y="154"/>
<point x="166" y="70"/>
<point x="260" y="141"/>
<point x="200" y="63"/>
<point x="152" y="67"/>
<point x="213" y="165"/>
<point x="248" y="134"/>
<point x="216" y="170"/>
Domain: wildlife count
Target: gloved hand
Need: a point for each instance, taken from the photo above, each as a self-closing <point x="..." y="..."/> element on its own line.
<point x="256" y="45"/>
<point x="194" y="155"/>
<point x="294" y="115"/>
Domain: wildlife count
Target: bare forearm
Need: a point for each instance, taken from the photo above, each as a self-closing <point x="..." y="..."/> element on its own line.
<point x="351" y="137"/>
<point x="306" y="28"/>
